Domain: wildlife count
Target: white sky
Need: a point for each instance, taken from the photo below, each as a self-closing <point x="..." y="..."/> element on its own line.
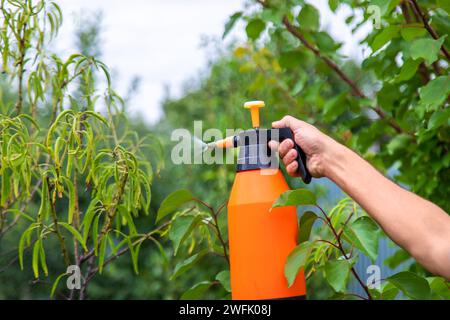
<point x="159" y="40"/>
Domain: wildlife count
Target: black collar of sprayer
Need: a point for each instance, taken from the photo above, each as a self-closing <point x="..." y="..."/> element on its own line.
<point x="254" y="152"/>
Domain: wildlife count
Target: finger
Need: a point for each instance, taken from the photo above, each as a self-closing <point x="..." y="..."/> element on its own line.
<point x="273" y="145"/>
<point x="286" y="121"/>
<point x="292" y="169"/>
<point x="285" y="146"/>
<point x="289" y="157"/>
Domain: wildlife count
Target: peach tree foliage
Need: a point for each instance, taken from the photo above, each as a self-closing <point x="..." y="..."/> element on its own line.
<point x="55" y="147"/>
<point x="393" y="109"/>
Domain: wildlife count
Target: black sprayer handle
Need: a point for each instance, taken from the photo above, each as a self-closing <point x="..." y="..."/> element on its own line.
<point x="286" y="133"/>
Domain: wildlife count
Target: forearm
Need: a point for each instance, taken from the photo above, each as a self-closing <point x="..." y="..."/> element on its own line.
<point x="417" y="225"/>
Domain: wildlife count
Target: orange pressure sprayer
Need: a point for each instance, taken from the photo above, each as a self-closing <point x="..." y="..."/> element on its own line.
<point x="260" y="239"/>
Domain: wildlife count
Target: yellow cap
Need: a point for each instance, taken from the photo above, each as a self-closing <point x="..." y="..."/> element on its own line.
<point x="254" y="110"/>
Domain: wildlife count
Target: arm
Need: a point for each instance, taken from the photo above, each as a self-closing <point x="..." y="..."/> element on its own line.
<point x="417" y="225"/>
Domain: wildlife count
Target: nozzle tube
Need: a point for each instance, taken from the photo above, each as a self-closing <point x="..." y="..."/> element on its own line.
<point x="228" y="142"/>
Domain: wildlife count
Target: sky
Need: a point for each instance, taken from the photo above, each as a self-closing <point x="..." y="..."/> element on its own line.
<point x="161" y="41"/>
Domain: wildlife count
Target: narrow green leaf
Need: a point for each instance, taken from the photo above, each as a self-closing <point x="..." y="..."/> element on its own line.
<point x="35" y="258"/>
<point x="75" y="233"/>
<point x="55" y="284"/>
<point x="42" y="258"/>
<point x="102" y="252"/>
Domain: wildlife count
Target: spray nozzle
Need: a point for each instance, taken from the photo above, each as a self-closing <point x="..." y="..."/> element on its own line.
<point x="228" y="142"/>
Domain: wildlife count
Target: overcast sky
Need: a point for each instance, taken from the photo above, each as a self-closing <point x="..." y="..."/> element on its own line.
<point x="160" y="40"/>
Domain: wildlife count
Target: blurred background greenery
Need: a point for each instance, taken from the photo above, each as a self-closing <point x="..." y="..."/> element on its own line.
<point x="291" y="80"/>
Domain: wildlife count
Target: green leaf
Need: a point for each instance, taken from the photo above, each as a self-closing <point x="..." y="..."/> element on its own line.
<point x="296" y="261"/>
<point x="333" y="4"/>
<point x="337" y="273"/>
<point x="396" y="259"/>
<point x="439" y="118"/>
<point x="412" y="32"/>
<point x="335" y="106"/>
<point x="411" y="285"/>
<point x="172" y="202"/>
<point x="436" y="91"/>
<point x="386" y="6"/>
<point x="24" y="238"/>
<point x="71" y="192"/>
<point x="102" y="252"/>
<point x="196" y="291"/>
<point x="224" y="278"/>
<point x="398" y="143"/>
<point x="43" y="260"/>
<point x="290" y="59"/>
<point x="384" y="37"/>
<point x="389" y="291"/>
<point x="408" y="70"/>
<point x="295" y="198"/>
<point x="55" y="284"/>
<point x="306" y="223"/>
<point x="179" y="230"/>
<point x="185" y="265"/>
<point x="439" y="288"/>
<point x="309" y="18"/>
<point x="444" y="4"/>
<point x="35" y="258"/>
<point x="254" y="28"/>
<point x="44" y="207"/>
<point x="75" y="233"/>
<point x="364" y="235"/>
<point x="230" y="23"/>
<point x="427" y="49"/>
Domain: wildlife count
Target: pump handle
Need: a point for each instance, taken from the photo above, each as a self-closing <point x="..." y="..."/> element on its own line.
<point x="286" y="133"/>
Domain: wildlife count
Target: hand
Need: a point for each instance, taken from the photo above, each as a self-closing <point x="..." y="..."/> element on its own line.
<point x="314" y="143"/>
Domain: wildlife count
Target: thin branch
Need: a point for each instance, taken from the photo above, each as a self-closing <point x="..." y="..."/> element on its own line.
<point x="216" y="225"/>
<point x="341" y="248"/>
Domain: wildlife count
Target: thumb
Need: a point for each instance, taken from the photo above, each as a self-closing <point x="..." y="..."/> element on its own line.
<point x="286" y="121"/>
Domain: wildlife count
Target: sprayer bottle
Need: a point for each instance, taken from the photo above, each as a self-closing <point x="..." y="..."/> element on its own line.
<point x="261" y="238"/>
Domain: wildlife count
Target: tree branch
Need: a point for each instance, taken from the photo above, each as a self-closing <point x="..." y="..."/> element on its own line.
<point x="341" y="249"/>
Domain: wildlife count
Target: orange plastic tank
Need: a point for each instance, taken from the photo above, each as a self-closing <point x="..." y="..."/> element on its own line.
<point x="261" y="239"/>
